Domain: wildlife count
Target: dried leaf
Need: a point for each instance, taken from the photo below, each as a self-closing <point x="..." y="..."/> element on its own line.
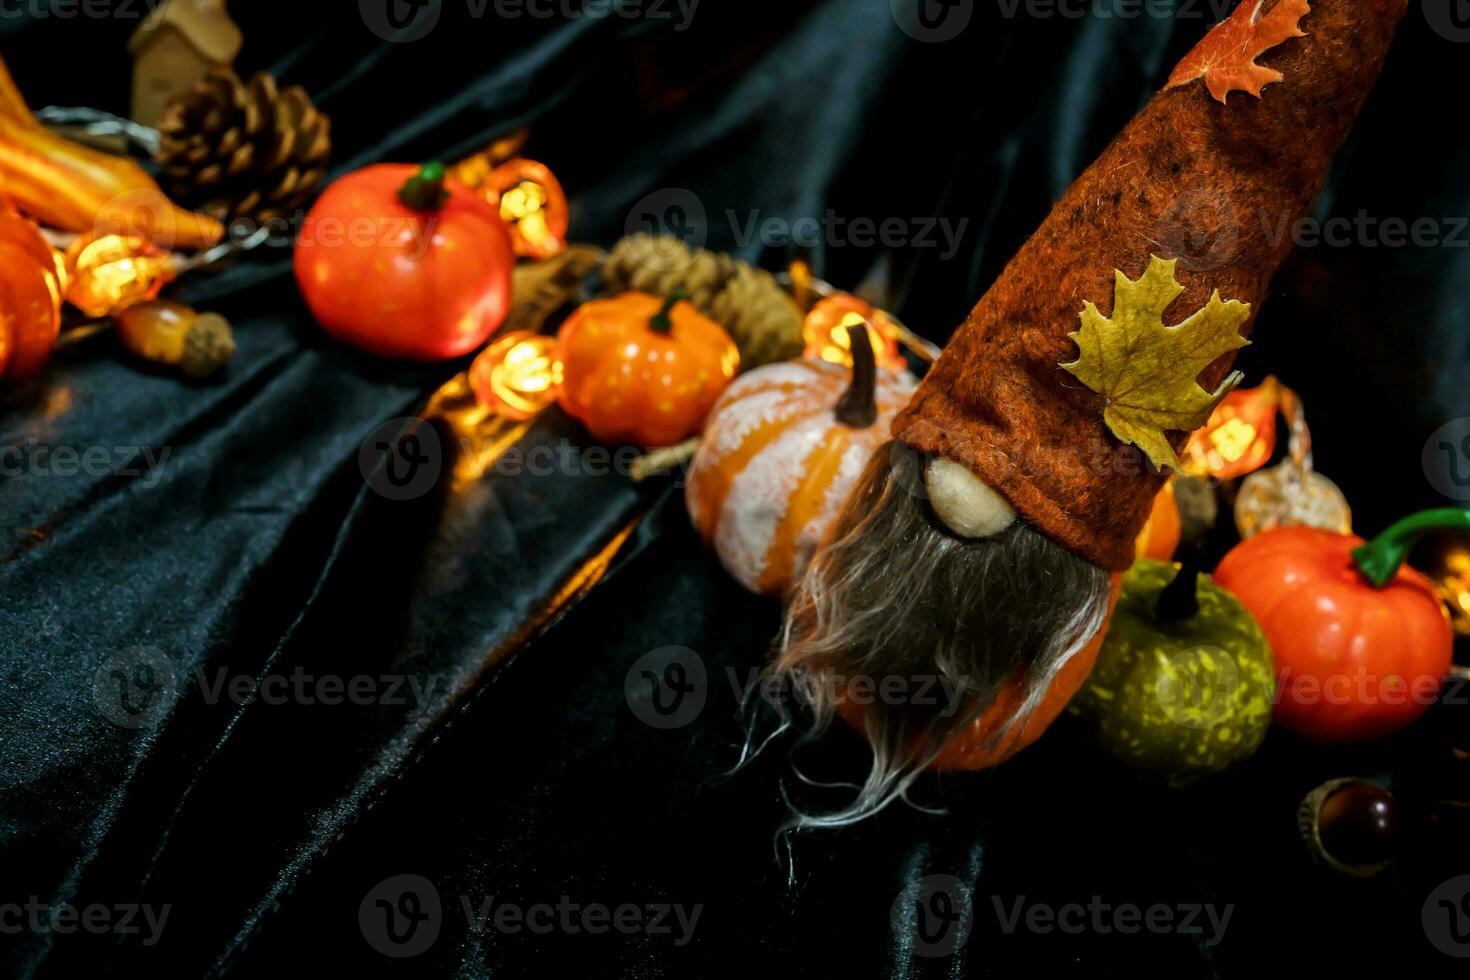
<point x="1226" y="58"/>
<point x="538" y="289"/>
<point x="1149" y="372"/>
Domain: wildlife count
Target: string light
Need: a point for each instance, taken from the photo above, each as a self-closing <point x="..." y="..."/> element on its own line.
<point x="826" y="337"/>
<point x="1240" y="436"/>
<point x="108" y="273"/>
<point x="532" y="204"/>
<point x="518" y="375"/>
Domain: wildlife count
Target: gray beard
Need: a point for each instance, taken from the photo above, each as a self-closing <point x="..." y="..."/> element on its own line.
<point x="894" y="597"/>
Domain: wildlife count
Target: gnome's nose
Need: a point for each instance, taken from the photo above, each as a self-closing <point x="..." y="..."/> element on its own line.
<point x="963" y="502"/>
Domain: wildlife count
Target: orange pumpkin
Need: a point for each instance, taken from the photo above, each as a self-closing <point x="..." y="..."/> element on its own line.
<point x="1160" y="535"/>
<point x="643" y="371"/>
<point x="31" y="284"/>
<point x="1361" y="640"/>
<point x="783" y="447"/>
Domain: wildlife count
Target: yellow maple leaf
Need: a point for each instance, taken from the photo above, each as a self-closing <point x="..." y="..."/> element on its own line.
<point x="1149" y="372"/>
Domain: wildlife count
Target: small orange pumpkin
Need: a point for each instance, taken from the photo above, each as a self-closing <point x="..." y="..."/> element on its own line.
<point x="1159" y="538"/>
<point x="31" y="285"/>
<point x="782" y="449"/>
<point x="642" y="371"/>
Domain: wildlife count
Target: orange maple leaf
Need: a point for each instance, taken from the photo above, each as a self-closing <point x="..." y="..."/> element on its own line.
<point x="1226" y="58"/>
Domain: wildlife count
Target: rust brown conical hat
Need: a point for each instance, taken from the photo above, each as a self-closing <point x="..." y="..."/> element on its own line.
<point x="1205" y="178"/>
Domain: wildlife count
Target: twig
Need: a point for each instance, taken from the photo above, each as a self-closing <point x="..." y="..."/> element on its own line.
<point x="72" y="336"/>
<point x="95" y="122"/>
<point x="662" y="460"/>
<point x="821" y="288"/>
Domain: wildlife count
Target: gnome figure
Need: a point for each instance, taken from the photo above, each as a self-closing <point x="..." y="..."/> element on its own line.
<point x="982" y="546"/>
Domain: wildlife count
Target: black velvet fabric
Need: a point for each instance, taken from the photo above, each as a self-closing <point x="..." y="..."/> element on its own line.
<point x="257" y="549"/>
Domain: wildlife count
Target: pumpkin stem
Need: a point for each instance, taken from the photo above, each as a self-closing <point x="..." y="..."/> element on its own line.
<point x="1379" y="560"/>
<point x="660" y="321"/>
<point x="1180" y="598"/>
<point x="858" y="407"/>
<point x="425" y="190"/>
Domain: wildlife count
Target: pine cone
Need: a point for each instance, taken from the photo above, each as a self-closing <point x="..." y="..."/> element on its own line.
<point x="763" y="320"/>
<point x="243" y="150"/>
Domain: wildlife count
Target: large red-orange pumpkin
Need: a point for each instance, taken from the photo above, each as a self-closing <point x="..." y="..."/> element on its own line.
<point x="1361" y="641"/>
<point x="399" y="261"/>
<point x="782" y="448"/>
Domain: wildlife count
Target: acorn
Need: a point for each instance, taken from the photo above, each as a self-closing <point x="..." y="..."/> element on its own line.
<point x="170" y="333"/>
<point x="1350" y="825"/>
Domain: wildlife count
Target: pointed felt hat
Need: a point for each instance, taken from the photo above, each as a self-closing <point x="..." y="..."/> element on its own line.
<point x="1110" y="335"/>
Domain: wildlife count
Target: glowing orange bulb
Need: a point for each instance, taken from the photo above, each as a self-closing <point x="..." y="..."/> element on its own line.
<point x="108" y="273"/>
<point x="1452" y="581"/>
<point x="1240" y="436"/>
<point x="825" y="331"/>
<point x="518" y="375"/>
<point x="532" y="204"/>
<point x="522" y="201"/>
<point x="1233" y="440"/>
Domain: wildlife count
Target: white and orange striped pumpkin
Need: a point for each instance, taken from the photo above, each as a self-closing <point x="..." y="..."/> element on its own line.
<point x="777" y="459"/>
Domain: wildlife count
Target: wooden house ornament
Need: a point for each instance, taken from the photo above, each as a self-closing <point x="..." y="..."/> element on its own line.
<point x="178" y="44"/>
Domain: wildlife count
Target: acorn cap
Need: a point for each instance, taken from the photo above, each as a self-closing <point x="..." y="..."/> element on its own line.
<point x="208" y="346"/>
<point x="1311" y="825"/>
<point x="1193" y="179"/>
